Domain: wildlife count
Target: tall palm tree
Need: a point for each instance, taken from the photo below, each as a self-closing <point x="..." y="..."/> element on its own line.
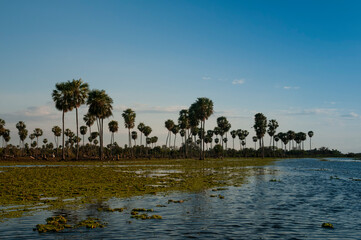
<point x="310" y="134"/>
<point x="260" y="124"/>
<point x="272" y="127"/>
<point x="184" y="124"/>
<point x="113" y="127"/>
<point x="147" y="131"/>
<point x="141" y="128"/>
<point x="6" y="136"/>
<point x="79" y="92"/>
<point x="154" y="140"/>
<point x="83" y="131"/>
<point x="100" y="106"/>
<point x="202" y="109"/>
<point x="62" y="98"/>
<point x="210" y="135"/>
<point x="129" y="122"/>
<point x="169" y="124"/>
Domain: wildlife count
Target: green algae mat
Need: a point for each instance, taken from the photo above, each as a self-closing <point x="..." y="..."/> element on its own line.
<point x="28" y="187"/>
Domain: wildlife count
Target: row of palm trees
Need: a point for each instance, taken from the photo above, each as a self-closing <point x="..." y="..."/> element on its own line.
<point x="191" y="123"/>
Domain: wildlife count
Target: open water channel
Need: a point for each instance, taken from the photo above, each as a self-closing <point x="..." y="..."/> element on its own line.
<point x="290" y="201"/>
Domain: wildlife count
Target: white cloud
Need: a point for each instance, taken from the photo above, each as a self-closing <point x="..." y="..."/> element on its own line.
<point x="238" y="81"/>
<point x="206" y="78"/>
<point x="290" y="88"/>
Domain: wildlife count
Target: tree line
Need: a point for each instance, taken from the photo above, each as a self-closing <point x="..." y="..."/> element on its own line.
<point x="190" y="125"/>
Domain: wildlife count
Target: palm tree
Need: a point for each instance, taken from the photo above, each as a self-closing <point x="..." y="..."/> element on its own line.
<point x="57" y="132"/>
<point x="113" y="127"/>
<point x="23" y="133"/>
<point x="129" y="122"/>
<point x="255" y="139"/>
<point x="147" y="131"/>
<point x="83" y="131"/>
<point x="21" y="127"/>
<point x="154" y="140"/>
<point x="210" y="134"/>
<point x="310" y="134"/>
<point x="62" y="98"/>
<point x="100" y="106"/>
<point x="6" y="136"/>
<point x="38" y="133"/>
<point x="89" y="121"/>
<point x="141" y="128"/>
<point x="169" y="124"/>
<point x="2" y="129"/>
<point x="272" y="127"/>
<point x="202" y="109"/>
<point x="291" y="136"/>
<point x="79" y="93"/>
<point x="134" y="137"/>
<point x="32" y="136"/>
<point x="233" y="134"/>
<point x="175" y="131"/>
<point x="184" y="124"/>
<point x="260" y="124"/>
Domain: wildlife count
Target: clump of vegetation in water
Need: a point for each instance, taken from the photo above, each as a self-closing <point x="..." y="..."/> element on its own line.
<point x="101" y="209"/>
<point x="135" y="214"/>
<point x="219" y="189"/>
<point x="59" y="223"/>
<point x="90" y="223"/>
<point x="327" y="225"/>
<point x="53" y="224"/>
<point x="175" y="201"/>
<point x="274" y="180"/>
<point x="73" y="184"/>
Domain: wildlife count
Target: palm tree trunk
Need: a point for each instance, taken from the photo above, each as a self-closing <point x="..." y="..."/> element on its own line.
<point x="166" y="140"/>
<point x="310" y="144"/>
<point x="77" y="134"/>
<point x="204" y="123"/>
<point x="62" y="149"/>
<point x="175" y="137"/>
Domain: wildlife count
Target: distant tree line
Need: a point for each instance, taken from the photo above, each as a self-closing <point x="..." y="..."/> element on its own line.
<point x="197" y="140"/>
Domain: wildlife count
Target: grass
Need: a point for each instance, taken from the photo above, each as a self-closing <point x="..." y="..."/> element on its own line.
<point x="24" y="190"/>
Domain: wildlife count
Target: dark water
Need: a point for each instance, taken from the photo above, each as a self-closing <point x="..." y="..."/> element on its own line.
<point x="306" y="193"/>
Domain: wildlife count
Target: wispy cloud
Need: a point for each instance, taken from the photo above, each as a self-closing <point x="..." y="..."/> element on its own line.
<point x="206" y="78"/>
<point x="351" y="115"/>
<point x="290" y="88"/>
<point x="238" y="81"/>
<point x="34" y="113"/>
<point x="313" y="111"/>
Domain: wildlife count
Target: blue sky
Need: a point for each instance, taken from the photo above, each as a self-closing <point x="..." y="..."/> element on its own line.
<point x="294" y="61"/>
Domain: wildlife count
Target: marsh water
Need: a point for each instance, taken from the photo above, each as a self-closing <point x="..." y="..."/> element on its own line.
<point x="287" y="200"/>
